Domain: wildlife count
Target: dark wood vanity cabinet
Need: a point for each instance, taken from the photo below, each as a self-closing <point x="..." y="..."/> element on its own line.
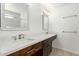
<point x="28" y="51"/>
<point x="39" y="49"/>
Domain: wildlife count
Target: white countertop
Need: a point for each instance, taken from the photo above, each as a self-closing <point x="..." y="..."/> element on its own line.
<point x="11" y="46"/>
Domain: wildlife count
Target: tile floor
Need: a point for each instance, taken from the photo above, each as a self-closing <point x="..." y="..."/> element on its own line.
<point x="59" y="52"/>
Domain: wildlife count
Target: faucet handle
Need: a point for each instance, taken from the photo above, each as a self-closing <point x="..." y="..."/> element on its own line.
<point x="21" y="36"/>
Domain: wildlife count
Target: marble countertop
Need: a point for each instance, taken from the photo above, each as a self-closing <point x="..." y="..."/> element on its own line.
<point x="11" y="46"/>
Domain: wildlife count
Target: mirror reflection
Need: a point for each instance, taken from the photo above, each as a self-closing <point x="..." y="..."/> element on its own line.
<point x="15" y="16"/>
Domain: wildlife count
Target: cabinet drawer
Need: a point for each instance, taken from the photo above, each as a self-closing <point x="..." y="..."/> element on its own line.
<point x="22" y="52"/>
<point x="38" y="45"/>
<point x="35" y="49"/>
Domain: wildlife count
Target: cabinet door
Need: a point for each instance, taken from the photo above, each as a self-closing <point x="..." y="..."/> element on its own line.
<point x="47" y="46"/>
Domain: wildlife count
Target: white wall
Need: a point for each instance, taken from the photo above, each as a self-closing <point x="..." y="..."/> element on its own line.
<point x="35" y="18"/>
<point x="35" y="26"/>
<point x="66" y="41"/>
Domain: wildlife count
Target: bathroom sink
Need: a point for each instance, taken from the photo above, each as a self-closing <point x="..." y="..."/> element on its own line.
<point x="30" y="39"/>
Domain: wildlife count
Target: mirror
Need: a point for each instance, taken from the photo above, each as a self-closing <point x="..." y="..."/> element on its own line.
<point x="45" y="22"/>
<point x="14" y="16"/>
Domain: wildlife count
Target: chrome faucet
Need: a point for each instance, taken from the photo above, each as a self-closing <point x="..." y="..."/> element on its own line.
<point x="21" y="36"/>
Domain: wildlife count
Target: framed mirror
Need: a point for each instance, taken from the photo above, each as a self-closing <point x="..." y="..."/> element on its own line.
<point x="45" y="22"/>
<point x="14" y="16"/>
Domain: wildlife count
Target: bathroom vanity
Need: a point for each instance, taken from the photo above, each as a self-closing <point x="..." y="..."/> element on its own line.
<point x="41" y="45"/>
<point x="38" y="49"/>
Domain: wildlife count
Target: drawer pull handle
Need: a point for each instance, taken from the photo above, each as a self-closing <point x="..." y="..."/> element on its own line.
<point x="30" y="51"/>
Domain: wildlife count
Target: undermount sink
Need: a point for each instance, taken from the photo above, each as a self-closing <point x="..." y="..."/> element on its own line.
<point x="30" y="39"/>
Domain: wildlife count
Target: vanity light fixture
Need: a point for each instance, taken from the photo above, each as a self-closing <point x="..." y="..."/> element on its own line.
<point x="48" y="6"/>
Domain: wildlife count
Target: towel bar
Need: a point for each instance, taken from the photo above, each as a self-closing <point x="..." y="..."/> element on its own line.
<point x="69" y="31"/>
